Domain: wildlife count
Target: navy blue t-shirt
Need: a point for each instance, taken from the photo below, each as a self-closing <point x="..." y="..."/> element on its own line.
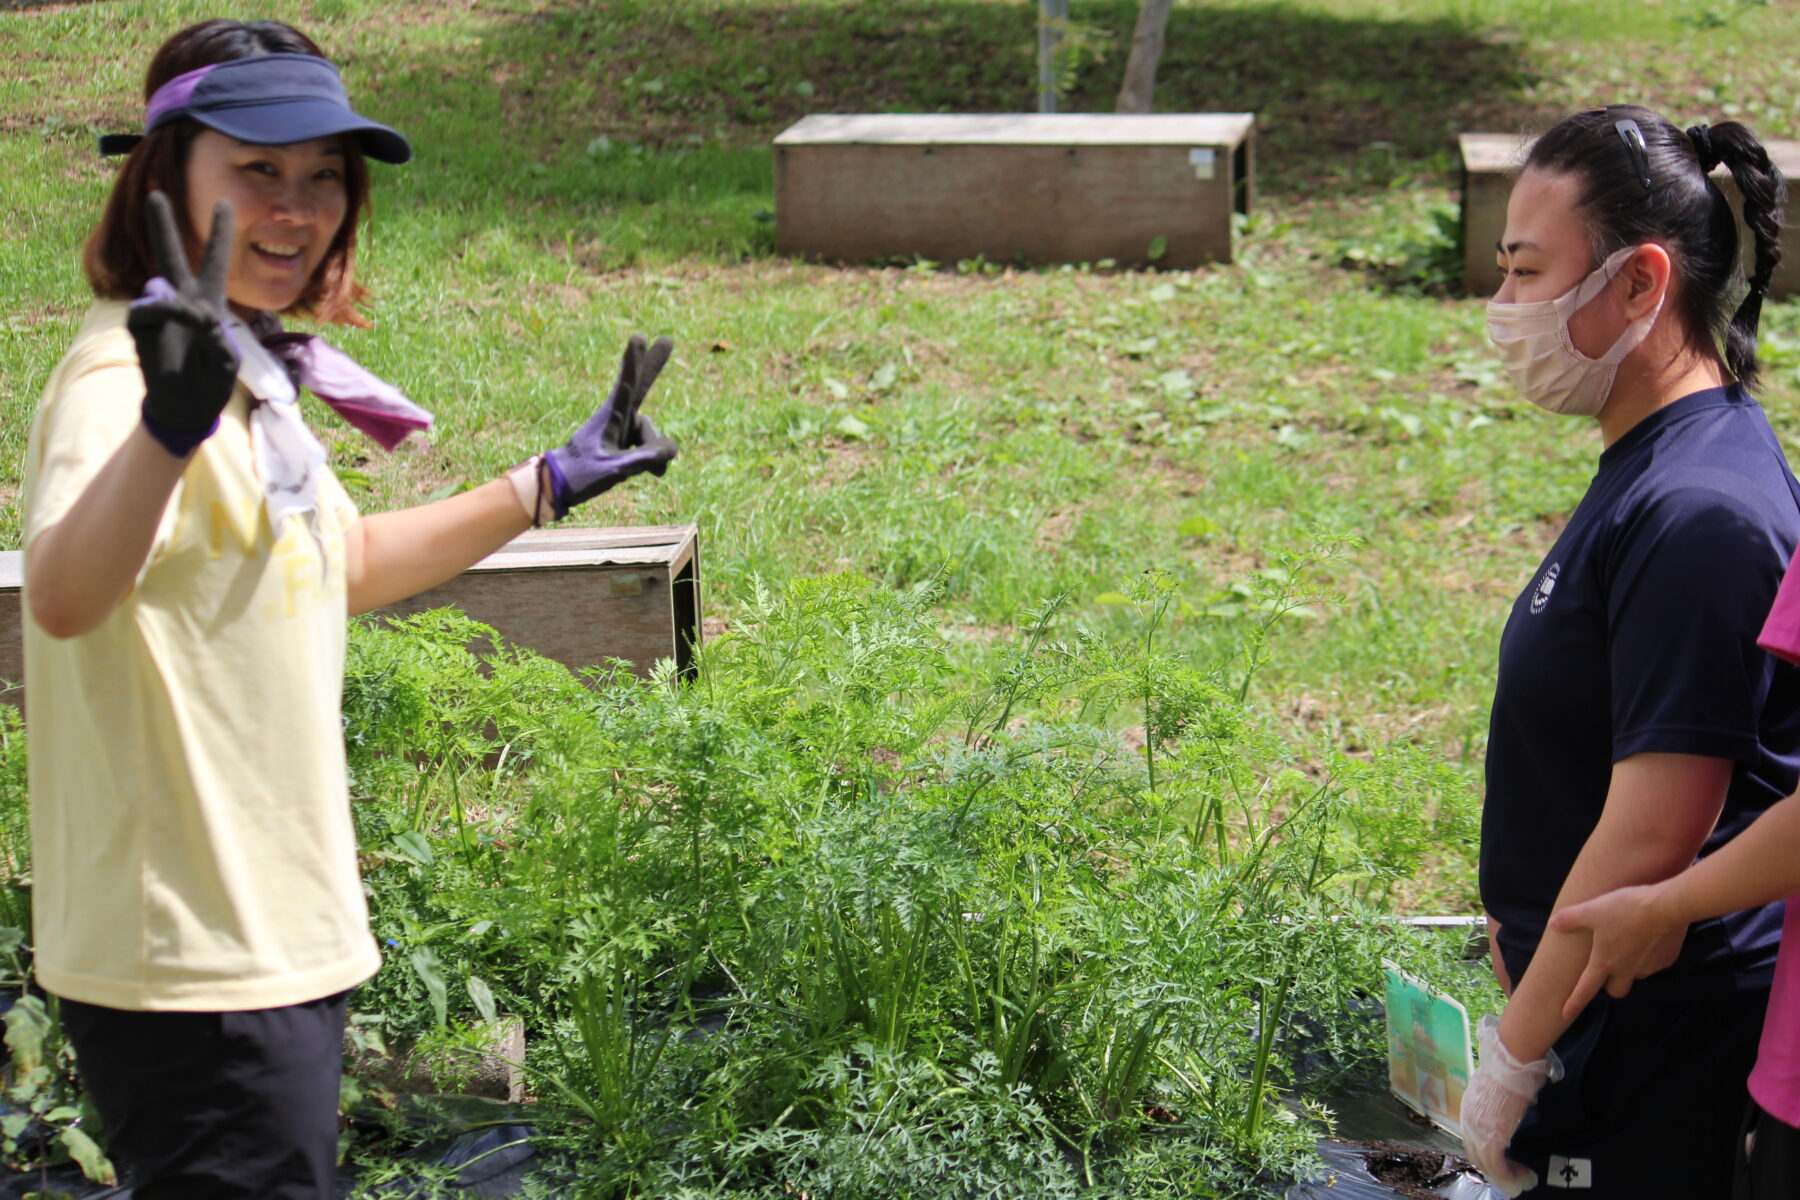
<point x="1638" y="633"/>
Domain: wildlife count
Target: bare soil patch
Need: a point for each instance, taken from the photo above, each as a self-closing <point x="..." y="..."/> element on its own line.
<point x="1409" y="1170"/>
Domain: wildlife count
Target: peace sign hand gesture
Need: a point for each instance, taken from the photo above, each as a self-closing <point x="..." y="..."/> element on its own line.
<point x="618" y="441"/>
<point x="188" y="359"/>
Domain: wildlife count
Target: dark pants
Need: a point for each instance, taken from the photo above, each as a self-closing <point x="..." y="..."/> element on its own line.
<point x="1651" y="1103"/>
<point x="216" y="1105"/>
<point x="1768" y="1160"/>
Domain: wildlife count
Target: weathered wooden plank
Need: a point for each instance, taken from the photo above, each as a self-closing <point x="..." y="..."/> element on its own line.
<point x="555" y="558"/>
<point x="1492" y="152"/>
<point x="1014" y="187"/>
<point x="580" y="596"/>
<point x="585" y="596"/>
<point x="1490" y="161"/>
<point x="12" y="616"/>
<point x="1020" y="129"/>
<point x="595" y="539"/>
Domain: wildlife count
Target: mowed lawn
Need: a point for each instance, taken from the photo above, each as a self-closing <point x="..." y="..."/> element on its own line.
<point x="587" y="170"/>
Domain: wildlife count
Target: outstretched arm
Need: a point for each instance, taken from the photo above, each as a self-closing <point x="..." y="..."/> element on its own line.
<point x="399" y="554"/>
<point x="394" y="555"/>
<point x="1628" y="927"/>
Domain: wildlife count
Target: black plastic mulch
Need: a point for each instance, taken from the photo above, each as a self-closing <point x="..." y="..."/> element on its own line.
<point x="493" y="1163"/>
<point x="1347" y="1176"/>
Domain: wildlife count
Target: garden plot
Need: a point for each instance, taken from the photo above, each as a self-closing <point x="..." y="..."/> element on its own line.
<point x="833" y="916"/>
<point x="830" y="918"/>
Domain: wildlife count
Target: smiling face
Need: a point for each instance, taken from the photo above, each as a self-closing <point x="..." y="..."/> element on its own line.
<point x="290" y="201"/>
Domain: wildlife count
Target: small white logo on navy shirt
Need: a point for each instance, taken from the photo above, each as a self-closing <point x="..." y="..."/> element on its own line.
<point x="1545" y="586"/>
<point x="1571" y="1172"/>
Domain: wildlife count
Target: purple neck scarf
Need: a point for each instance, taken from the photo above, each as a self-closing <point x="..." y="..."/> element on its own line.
<point x="371" y="404"/>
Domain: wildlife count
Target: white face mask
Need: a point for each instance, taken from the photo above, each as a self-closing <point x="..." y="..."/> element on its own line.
<point x="1533" y="340"/>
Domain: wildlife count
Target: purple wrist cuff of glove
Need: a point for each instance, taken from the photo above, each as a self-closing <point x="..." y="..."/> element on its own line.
<point x="155" y="288"/>
<point x="179" y="442"/>
<point x="559" y="487"/>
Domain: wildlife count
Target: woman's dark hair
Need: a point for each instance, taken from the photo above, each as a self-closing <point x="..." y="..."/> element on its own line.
<point x="1662" y="193"/>
<point x="119" y="260"/>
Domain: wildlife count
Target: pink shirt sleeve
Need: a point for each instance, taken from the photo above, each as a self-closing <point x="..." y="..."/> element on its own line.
<point x="1781" y="632"/>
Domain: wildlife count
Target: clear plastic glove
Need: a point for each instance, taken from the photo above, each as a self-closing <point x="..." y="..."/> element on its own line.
<point x="1500" y="1092"/>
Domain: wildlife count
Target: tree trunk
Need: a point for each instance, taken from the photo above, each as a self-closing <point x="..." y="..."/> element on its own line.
<point x="1146" y="50"/>
<point x="1053" y="23"/>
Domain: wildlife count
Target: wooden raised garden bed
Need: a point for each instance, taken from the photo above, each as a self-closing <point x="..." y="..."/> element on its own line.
<point x="580" y="596"/>
<point x="1151" y="189"/>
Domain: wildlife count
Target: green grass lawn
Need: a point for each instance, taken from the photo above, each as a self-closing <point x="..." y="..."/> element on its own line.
<point x="586" y="170"/>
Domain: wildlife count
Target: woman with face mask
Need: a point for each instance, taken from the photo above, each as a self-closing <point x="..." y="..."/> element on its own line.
<point x="1636" y="724"/>
<point x="190" y="565"/>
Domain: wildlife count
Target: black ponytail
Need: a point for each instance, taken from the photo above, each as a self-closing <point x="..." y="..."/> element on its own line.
<point x="1763" y="190"/>
<point x="1662" y="193"/>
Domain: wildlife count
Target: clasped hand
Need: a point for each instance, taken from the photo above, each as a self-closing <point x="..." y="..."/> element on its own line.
<point x="1633" y="938"/>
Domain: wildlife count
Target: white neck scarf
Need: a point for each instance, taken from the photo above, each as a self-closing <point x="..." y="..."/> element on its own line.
<point x="289" y="457"/>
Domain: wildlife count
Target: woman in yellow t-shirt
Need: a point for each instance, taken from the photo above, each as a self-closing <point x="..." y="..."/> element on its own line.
<point x="190" y="562"/>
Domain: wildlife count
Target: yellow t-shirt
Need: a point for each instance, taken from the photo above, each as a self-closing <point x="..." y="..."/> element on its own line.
<point x="191" y="833"/>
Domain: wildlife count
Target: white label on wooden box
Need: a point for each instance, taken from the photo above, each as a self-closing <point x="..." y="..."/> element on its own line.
<point x="1202" y="162"/>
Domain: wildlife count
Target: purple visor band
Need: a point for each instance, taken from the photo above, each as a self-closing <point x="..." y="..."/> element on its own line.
<point x="174" y="95"/>
<point x="268" y="99"/>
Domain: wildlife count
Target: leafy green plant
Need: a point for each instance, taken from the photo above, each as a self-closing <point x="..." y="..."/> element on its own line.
<point x="1076" y="45"/>
<point x="15" y="816"/>
<point x="50" y="1119"/>
<point x="834" y="895"/>
<point x="1418" y="248"/>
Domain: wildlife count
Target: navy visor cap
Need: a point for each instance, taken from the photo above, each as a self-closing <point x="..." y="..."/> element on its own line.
<point x="268" y="100"/>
